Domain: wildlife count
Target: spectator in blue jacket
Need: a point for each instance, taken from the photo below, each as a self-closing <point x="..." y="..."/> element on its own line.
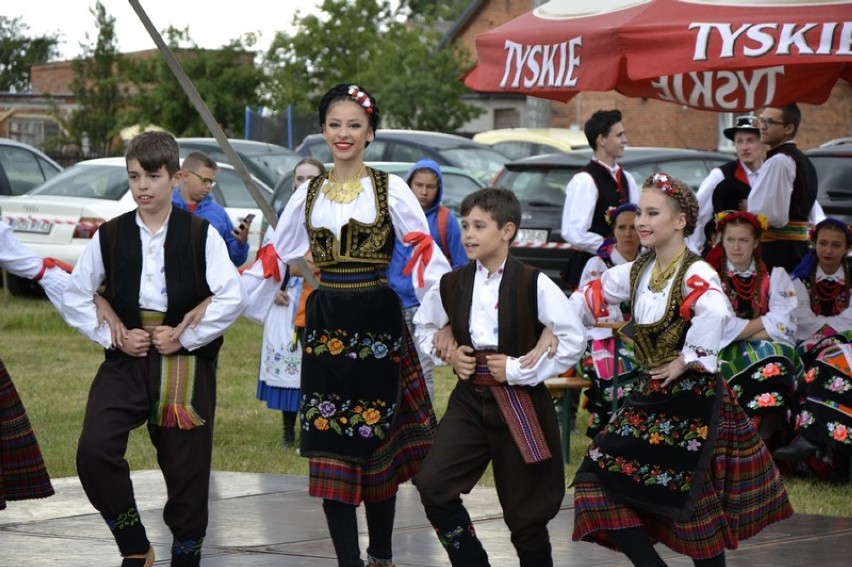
<point x="195" y="179"/>
<point x="427" y="184"/>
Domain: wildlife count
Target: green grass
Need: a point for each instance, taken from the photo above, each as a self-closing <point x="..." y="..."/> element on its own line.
<point x="53" y="365"/>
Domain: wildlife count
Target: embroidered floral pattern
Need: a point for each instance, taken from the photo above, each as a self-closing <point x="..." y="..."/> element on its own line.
<point x="187" y="547"/>
<point x="124" y="520"/>
<point x="839" y="432"/>
<point x="660" y="428"/>
<point x="451" y="538"/>
<point x="337" y="342"/>
<point x="767" y="400"/>
<point x="804" y="419"/>
<point x="361" y="418"/>
<point x="838" y="384"/>
<point x="704" y="388"/>
<point x="645" y="473"/>
<point x="811" y="375"/>
<point x="701" y="351"/>
<point x="282" y="361"/>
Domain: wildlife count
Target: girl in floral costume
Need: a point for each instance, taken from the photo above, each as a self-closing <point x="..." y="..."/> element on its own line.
<point x="680" y="462"/>
<point x="824" y="317"/>
<point x="366" y="419"/>
<point x="599" y="364"/>
<point x="760" y="363"/>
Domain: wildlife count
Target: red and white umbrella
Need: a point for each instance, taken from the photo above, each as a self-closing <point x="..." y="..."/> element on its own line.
<point x="722" y="55"/>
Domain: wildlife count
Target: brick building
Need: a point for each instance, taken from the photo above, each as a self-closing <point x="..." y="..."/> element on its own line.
<point x="648" y="122"/>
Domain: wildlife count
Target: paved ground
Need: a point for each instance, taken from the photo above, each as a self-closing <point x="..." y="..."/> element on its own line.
<point x="269" y="520"/>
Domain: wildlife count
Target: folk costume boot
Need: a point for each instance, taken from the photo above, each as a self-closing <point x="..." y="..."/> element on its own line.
<point x="288" y="439"/>
<point x="146" y="560"/>
<point x="455" y="532"/>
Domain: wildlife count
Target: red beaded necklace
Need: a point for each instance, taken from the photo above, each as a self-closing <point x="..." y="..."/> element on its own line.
<point x="829" y="295"/>
<point x="742" y="291"/>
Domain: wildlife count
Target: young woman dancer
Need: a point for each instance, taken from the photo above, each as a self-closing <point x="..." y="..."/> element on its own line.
<point x="679" y="463"/>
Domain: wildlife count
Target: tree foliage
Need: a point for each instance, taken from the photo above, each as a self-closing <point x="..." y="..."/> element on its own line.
<point x="366" y="42"/>
<point x="226" y="79"/>
<point x="96" y="85"/>
<point x="18" y="53"/>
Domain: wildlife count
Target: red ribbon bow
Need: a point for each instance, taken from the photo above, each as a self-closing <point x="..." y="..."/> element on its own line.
<point x="422" y="243"/>
<point x="699" y="286"/>
<point x="48" y="263"/>
<point x="269" y="258"/>
<point x="595" y="299"/>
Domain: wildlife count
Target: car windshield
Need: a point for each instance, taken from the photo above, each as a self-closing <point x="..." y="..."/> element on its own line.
<point x="538" y="187"/>
<point x="234" y="191"/>
<point x="484" y="162"/>
<point x="275" y="165"/>
<point x="457" y="186"/>
<point x="87" y="181"/>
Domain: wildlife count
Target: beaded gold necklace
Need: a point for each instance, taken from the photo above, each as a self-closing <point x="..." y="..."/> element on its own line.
<point x="343" y="191"/>
<point x="660" y="277"/>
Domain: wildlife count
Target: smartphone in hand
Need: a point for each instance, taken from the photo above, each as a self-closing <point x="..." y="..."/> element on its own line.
<point x="245" y="223"/>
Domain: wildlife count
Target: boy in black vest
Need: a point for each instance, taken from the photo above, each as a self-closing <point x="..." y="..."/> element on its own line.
<point x="499" y="411"/>
<point x="600" y="185"/>
<point x="157" y="264"/>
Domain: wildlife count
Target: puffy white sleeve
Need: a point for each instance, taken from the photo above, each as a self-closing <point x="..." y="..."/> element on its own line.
<point x="289" y="241"/>
<point x="595" y="268"/>
<point x="428" y="319"/>
<point x="711" y="312"/>
<point x="809" y="323"/>
<point x="778" y="321"/>
<point x="581" y="195"/>
<point x="409" y="220"/>
<point x="78" y="305"/>
<point x="695" y="241"/>
<point x="22" y="262"/>
<point x="771" y="193"/>
<point x="615" y="285"/>
<point x="560" y="316"/>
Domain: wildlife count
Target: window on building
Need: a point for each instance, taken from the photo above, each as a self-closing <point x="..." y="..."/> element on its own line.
<point x="33" y="131"/>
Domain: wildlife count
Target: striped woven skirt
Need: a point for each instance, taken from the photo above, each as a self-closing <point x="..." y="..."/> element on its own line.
<point x="22" y="472"/>
<point x="762" y="375"/>
<point x="366" y="418"/>
<point x="739" y="493"/>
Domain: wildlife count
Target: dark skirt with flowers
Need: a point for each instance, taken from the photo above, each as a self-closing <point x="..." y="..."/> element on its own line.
<point x="367" y="422"/>
<point x="763" y="376"/>
<point x="638" y="472"/>
<point x="825" y="416"/>
<point x="599" y="365"/>
<point x="22" y="472"/>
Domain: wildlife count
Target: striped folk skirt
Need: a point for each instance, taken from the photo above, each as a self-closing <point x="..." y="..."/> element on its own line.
<point x="22" y="472"/>
<point x="737" y="491"/>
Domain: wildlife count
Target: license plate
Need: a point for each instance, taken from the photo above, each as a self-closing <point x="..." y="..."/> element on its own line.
<point x="531" y="236"/>
<point x="30" y="225"/>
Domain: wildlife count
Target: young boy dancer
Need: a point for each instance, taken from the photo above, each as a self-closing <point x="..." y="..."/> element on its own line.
<point x="157" y="263"/>
<point x="499" y="411"/>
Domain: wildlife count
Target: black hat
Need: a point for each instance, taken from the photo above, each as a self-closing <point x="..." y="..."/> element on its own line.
<point x="746" y="123"/>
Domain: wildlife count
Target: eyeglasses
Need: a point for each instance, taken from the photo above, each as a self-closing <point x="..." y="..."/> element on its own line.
<point x="768" y="121"/>
<point x="204" y="180"/>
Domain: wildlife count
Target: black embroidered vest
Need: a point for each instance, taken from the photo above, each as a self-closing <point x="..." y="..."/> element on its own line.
<point x="185" y="269"/>
<point x="609" y="195"/>
<point x="517" y="319"/>
<point x="804" y="184"/>
<point x="359" y="242"/>
<point x="661" y="342"/>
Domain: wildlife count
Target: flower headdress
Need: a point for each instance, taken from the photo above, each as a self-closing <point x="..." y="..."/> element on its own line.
<point x="758" y="221"/>
<point x="361" y="98"/>
<point x="845" y="228"/>
<point x="613" y="212"/>
<point x="664" y="183"/>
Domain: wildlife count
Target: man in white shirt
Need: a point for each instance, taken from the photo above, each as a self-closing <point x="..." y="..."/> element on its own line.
<point x="786" y="190"/>
<point x="601" y="184"/>
<point x="727" y="187"/>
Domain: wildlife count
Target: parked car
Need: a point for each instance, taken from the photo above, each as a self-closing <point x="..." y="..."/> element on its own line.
<point x="22" y="167"/>
<point x="834" y="173"/>
<point x="457" y="183"/>
<point x="59" y="218"/>
<point x="412" y="145"/>
<point x="267" y="162"/>
<point x="518" y="143"/>
<point x="540" y="182"/>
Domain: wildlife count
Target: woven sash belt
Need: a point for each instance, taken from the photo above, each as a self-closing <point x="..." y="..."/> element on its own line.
<point x="516" y="407"/>
<point x="173" y="408"/>
<point x="796" y="231"/>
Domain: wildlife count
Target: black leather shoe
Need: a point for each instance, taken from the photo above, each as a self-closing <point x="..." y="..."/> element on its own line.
<point x="799" y="450"/>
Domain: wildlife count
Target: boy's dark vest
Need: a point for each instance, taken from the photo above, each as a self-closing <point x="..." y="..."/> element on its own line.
<point x="728" y="194"/>
<point x="610" y="194"/>
<point x="517" y="319"/>
<point x="185" y="268"/>
<point x="804" y="184"/>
